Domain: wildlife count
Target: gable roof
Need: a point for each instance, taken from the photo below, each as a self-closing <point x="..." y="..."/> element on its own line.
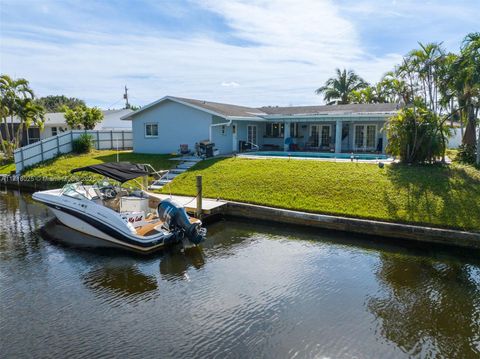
<point x="230" y="111"/>
<point x="224" y="109"/>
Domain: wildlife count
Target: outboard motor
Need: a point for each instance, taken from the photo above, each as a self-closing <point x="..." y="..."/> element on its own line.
<point x="176" y="218"/>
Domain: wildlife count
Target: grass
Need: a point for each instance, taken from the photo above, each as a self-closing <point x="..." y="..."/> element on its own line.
<point x="59" y="168"/>
<point x="7" y="168"/>
<point x="441" y="196"/>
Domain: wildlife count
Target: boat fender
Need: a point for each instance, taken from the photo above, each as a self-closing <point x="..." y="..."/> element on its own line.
<point x="175" y="218"/>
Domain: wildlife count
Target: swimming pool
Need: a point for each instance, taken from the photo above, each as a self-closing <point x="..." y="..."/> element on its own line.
<point x="344" y="156"/>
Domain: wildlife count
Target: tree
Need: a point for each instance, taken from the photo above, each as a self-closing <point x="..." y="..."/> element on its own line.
<point x="17" y="100"/>
<point x="464" y="84"/>
<point x="369" y="94"/>
<point x="83" y="116"/>
<point x="339" y="89"/>
<point x="56" y="103"/>
<point x="417" y="135"/>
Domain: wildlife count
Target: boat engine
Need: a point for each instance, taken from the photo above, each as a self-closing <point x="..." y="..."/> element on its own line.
<point x="176" y="219"/>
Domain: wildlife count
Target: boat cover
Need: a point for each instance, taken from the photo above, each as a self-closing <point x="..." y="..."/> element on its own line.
<point x="119" y="171"/>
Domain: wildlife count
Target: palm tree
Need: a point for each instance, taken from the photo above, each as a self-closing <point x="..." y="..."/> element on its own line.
<point x="462" y="86"/>
<point x="338" y="89"/>
<point x="17" y="99"/>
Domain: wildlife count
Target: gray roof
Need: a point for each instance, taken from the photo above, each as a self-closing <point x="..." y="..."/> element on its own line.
<point x="331" y="109"/>
<point x="223" y="108"/>
<point x="228" y="110"/>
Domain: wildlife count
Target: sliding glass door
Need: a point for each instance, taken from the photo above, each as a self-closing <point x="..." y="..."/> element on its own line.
<point x="252" y="134"/>
<point x="365" y="137"/>
<point x="320" y="135"/>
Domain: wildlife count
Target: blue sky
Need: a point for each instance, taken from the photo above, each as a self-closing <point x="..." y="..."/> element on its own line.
<point x="265" y="52"/>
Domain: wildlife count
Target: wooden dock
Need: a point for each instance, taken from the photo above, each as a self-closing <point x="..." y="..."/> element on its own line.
<point x="209" y="206"/>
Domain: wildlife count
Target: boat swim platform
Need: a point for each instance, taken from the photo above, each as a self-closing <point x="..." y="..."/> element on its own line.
<point x="209" y="206"/>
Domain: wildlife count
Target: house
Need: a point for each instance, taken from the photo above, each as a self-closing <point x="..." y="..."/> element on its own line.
<point x="164" y="125"/>
<point x="55" y="123"/>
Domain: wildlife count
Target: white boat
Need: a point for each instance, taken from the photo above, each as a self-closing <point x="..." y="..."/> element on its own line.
<point x="133" y="219"/>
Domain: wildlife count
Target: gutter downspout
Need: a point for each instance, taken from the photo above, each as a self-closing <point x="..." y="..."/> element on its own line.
<point x="215" y="125"/>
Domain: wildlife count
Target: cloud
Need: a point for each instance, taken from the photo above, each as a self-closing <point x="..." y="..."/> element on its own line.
<point x="230" y="84"/>
<point x="279" y="50"/>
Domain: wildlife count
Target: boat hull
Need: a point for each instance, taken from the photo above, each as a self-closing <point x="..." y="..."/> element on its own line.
<point x="95" y="228"/>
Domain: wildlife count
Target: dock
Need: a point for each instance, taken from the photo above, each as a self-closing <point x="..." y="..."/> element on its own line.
<point x="209" y="206"/>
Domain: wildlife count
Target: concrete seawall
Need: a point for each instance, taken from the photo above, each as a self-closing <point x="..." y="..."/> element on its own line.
<point x="363" y="226"/>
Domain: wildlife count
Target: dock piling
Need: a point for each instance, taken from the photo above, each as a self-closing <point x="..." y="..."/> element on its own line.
<point x="198" y="213"/>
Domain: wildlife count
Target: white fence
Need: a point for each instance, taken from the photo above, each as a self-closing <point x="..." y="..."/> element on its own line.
<point x="53" y="146"/>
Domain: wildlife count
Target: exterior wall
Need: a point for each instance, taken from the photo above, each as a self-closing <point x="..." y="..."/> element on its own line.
<point x="177" y="124"/>
<point x="242" y="132"/>
<point x="223" y="141"/>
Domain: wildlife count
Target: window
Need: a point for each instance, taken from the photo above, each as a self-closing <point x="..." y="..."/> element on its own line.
<point x="294" y="130"/>
<point x="151" y="130"/>
<point x="234" y="129"/>
<point x="223" y="130"/>
<point x="371" y="136"/>
<point x="54" y="131"/>
<point x="274" y="130"/>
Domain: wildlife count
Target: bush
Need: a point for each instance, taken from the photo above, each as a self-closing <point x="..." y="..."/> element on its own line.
<point x="466" y="154"/>
<point x="83" y="144"/>
<point x="417" y="135"/>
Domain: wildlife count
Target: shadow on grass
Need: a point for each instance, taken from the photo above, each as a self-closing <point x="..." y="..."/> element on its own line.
<point x="446" y="196"/>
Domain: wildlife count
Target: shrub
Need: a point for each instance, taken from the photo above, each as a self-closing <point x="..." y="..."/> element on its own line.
<point x="466" y="154"/>
<point x="83" y="144"/>
<point x="417" y="135"/>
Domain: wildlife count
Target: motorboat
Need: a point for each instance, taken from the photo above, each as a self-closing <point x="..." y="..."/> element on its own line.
<point x="131" y="218"/>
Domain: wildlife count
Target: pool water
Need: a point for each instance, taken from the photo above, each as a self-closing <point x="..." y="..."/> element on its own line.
<point x="356" y="156"/>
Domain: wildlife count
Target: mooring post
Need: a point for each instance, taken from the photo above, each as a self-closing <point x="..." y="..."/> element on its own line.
<point x="198" y="213"/>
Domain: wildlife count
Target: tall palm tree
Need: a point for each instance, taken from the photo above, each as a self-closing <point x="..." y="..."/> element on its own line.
<point x="16" y="99"/>
<point x="338" y="89"/>
<point x="463" y="84"/>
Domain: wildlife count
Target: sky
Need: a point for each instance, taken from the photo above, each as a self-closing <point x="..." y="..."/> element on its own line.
<point x="250" y="52"/>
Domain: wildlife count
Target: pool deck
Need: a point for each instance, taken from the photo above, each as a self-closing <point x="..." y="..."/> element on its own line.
<point x="252" y="155"/>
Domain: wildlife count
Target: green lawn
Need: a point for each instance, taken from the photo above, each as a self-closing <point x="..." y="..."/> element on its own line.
<point x="60" y="167"/>
<point x="7" y="168"/>
<point x="443" y="196"/>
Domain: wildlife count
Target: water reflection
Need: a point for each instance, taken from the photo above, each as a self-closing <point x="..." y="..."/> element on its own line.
<point x="251" y="290"/>
<point x="428" y="308"/>
<point x="174" y="263"/>
<point x="122" y="281"/>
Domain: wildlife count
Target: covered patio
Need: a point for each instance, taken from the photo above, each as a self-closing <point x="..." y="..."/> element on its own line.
<point x="335" y="135"/>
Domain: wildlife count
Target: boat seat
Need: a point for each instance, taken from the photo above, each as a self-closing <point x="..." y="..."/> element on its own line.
<point x="148" y="228"/>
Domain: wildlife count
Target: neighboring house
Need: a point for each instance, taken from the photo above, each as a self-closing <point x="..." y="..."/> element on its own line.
<point x="162" y="126"/>
<point x="55" y="123"/>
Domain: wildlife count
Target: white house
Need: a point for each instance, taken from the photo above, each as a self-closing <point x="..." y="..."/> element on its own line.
<point x="164" y="125"/>
<point x="55" y="123"/>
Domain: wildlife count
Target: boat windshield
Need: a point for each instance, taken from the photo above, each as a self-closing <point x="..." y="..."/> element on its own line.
<point x="78" y="190"/>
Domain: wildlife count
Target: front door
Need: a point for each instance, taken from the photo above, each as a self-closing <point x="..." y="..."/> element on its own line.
<point x="252" y="134"/>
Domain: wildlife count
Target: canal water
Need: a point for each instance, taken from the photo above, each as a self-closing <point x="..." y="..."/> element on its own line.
<point x="252" y="291"/>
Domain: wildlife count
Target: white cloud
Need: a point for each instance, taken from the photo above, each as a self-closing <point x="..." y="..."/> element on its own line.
<point x="230" y="84"/>
<point x="293" y="47"/>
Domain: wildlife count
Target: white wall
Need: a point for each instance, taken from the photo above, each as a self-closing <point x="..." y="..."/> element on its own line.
<point x="456" y="140"/>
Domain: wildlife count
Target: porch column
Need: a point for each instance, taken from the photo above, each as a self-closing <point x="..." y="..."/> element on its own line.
<point x="338" y="136"/>
<point x="286" y="134"/>
<point x="234" y="137"/>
